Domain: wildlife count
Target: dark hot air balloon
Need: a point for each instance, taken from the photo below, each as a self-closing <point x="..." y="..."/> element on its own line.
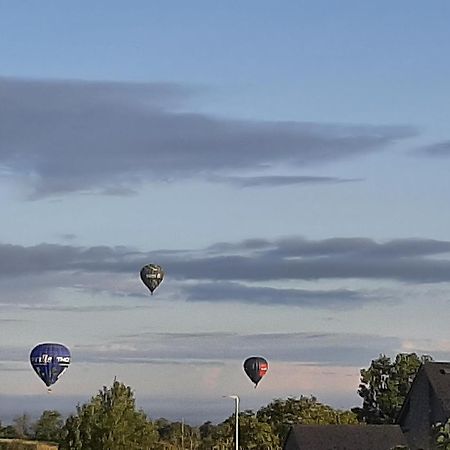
<point x="151" y="276"/>
<point x="256" y="367"/>
<point x="49" y="361"/>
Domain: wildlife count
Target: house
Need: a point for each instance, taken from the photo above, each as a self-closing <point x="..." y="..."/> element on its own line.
<point x="427" y="402"/>
<point x="345" y="437"/>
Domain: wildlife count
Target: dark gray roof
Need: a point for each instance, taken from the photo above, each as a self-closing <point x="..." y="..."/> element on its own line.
<point x="438" y="373"/>
<point x="344" y="437"/>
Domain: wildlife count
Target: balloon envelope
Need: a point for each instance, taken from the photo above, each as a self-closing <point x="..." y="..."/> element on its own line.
<point x="152" y="276"/>
<point x="49" y="361"/>
<point x="256" y="367"/>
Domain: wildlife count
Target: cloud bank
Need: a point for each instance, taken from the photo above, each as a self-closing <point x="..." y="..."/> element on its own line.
<point x="251" y="271"/>
<point x="216" y="348"/>
<point x="436" y="150"/>
<point x="72" y="136"/>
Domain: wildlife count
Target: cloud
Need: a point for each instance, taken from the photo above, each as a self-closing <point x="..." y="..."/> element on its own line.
<point x="437" y="150"/>
<point x="236" y="292"/>
<point x="74" y="136"/>
<point x="68" y="236"/>
<point x="344" y="349"/>
<point x="280" y="180"/>
<point x="216" y="348"/>
<point x="254" y="271"/>
<point x="13" y="368"/>
<point x="18" y="260"/>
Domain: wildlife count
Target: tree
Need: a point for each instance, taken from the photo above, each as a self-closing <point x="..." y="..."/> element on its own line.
<point x="49" y="426"/>
<point x="440" y="435"/>
<point x="222" y="436"/>
<point x="384" y="386"/>
<point x="207" y="432"/>
<point x="109" y="421"/>
<point x="22" y="426"/>
<point x="177" y="434"/>
<point x="282" y="414"/>
<point x="8" y="432"/>
<point x="255" y="434"/>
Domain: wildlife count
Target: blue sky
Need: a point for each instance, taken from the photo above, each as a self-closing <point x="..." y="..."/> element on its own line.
<point x="286" y="164"/>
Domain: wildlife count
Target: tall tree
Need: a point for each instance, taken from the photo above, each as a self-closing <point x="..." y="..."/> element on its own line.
<point x="207" y="432"/>
<point x="255" y="434"/>
<point x="23" y="426"/>
<point x="177" y="434"/>
<point x="8" y="432"/>
<point x="110" y="421"/>
<point x="282" y="414"/>
<point x="49" y="426"/>
<point x="384" y="386"/>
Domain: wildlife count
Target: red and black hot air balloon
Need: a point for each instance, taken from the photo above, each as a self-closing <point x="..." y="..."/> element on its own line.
<point x="256" y="367"/>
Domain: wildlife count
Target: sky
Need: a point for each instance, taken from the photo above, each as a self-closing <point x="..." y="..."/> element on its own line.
<point x="285" y="163"/>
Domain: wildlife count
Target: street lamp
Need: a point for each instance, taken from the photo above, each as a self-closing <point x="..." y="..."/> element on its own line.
<point x="236" y="415"/>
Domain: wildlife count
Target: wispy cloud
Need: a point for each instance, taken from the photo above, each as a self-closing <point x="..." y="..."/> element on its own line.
<point x="436" y="150"/>
<point x="344" y="349"/>
<point x="69" y="136"/>
<point x="237" y="292"/>
<point x="280" y="180"/>
<point x="235" y="271"/>
<point x="306" y="348"/>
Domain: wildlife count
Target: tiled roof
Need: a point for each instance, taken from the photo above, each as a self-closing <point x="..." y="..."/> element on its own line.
<point x="438" y="373"/>
<point x="344" y="437"/>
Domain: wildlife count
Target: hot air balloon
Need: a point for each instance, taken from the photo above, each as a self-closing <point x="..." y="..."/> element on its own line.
<point x="49" y="361"/>
<point x="256" y="367"/>
<point x="152" y="276"/>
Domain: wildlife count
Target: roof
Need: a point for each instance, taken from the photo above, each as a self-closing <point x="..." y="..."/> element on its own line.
<point x="344" y="437"/>
<point x="438" y="374"/>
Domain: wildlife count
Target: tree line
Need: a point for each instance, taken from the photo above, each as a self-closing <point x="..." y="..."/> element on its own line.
<point x="110" y="420"/>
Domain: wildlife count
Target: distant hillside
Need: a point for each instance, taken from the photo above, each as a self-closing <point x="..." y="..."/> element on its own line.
<point x="20" y="444"/>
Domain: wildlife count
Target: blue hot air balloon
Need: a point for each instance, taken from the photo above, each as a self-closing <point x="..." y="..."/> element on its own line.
<point x="50" y="361"/>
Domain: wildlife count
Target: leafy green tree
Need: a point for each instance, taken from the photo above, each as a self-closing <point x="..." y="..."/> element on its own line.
<point x="8" y="432"/>
<point x="192" y="439"/>
<point x="110" y="421"/>
<point x="207" y="433"/>
<point x="255" y="434"/>
<point x="282" y="414"/>
<point x="223" y="436"/>
<point x="49" y="426"/>
<point x="177" y="434"/>
<point x="384" y="386"/>
<point x="440" y="435"/>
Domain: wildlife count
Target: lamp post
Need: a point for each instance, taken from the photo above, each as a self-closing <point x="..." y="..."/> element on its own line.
<point x="236" y="415"/>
